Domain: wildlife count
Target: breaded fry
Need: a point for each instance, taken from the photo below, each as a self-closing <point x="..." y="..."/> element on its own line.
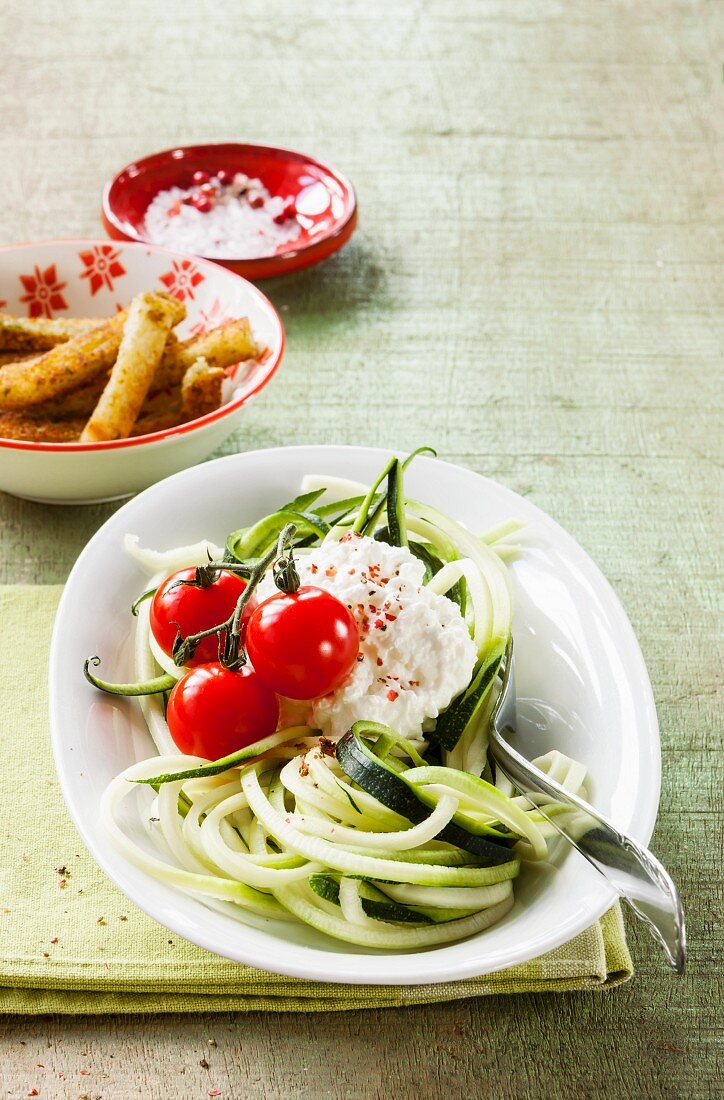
<point x="224" y="346"/>
<point x="148" y="324"/>
<point x="157" y="422"/>
<point x="70" y="365"/>
<point x="14" y="357"/>
<point x="41" y="333"/>
<point x="220" y="347"/>
<point x="81" y="402"/>
<point x="17" y="425"/>
<point x="201" y="389"/>
<point x="64" y="368"/>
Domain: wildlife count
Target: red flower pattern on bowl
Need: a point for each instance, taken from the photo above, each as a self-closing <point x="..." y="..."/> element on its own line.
<point x="209" y="318"/>
<point x="102" y="266"/>
<point x="43" y="292"/>
<point x="182" y="280"/>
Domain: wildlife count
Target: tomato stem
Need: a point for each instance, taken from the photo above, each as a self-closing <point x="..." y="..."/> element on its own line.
<point x="231" y="651"/>
<point x="142" y="687"/>
<point x="286" y="577"/>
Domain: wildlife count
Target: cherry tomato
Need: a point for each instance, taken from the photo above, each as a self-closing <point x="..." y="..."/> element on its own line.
<point x="303" y="644"/>
<point x="212" y="711"/>
<point x="191" y="610"/>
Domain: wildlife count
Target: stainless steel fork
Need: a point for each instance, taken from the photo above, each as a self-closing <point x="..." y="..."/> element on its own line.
<point x="635" y="874"/>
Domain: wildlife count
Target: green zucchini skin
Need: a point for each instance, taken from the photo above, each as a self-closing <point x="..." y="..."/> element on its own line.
<point x="383" y="783"/>
<point x="327" y="887"/>
<point x="252" y="542"/>
<point x="452" y="722"/>
<point x="396" y="523"/>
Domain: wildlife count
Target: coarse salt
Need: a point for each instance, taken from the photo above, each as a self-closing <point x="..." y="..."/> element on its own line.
<point x="239" y="221"/>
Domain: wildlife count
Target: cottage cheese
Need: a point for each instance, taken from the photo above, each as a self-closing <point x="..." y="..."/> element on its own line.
<point x="415" y="651"/>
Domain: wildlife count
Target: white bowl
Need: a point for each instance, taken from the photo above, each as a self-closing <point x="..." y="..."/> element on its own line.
<point x="88" y="278"/>
<point x="583" y="688"/>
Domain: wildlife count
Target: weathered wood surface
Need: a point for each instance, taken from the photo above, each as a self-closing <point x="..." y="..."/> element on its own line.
<point x="535" y="289"/>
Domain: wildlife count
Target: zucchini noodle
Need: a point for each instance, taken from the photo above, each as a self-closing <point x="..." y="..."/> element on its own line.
<point x="383" y="841"/>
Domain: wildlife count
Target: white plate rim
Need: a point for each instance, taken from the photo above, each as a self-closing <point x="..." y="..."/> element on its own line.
<point x="337" y="971"/>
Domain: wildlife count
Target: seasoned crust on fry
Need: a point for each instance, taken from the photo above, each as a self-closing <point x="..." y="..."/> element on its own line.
<point x="220" y="347"/>
<point x="70" y="365"/>
<point x="14" y="357"/>
<point x="63" y="368"/>
<point x="82" y="401"/>
<point x="201" y="389"/>
<point x="41" y="333"/>
<point x="147" y="326"/>
<point x="17" y="425"/>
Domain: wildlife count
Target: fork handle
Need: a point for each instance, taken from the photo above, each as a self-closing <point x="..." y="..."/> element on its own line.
<point x="634" y="873"/>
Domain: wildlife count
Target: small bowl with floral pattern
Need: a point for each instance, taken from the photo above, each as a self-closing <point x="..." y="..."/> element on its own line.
<point x="96" y="278"/>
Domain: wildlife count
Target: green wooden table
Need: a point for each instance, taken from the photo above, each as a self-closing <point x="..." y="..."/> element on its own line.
<point x="534" y="289"/>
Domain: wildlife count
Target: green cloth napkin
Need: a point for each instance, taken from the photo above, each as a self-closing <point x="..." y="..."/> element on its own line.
<point x="70" y="942"/>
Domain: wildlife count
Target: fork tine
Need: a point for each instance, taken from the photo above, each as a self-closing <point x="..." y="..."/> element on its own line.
<point x="507" y="682"/>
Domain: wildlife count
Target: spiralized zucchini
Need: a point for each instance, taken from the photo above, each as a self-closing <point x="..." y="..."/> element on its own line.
<point x="397" y="845"/>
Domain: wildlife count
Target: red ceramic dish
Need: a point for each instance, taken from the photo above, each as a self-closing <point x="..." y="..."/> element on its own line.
<point x="325" y="200"/>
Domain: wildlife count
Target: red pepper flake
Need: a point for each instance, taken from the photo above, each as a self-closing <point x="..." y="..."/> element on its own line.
<point x="373" y="609"/>
<point x="32" y="1092"/>
<point x="392" y="695"/>
<point x="379" y="662"/>
<point x="352" y="572"/>
<point x="62" y="883"/>
<point x="384" y="580"/>
<point x="215" y="1092"/>
<point x="85" y="1073"/>
<point x="390" y="618"/>
<point x="314" y="568"/>
<point x="54" y="939"/>
<point x="331" y="571"/>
